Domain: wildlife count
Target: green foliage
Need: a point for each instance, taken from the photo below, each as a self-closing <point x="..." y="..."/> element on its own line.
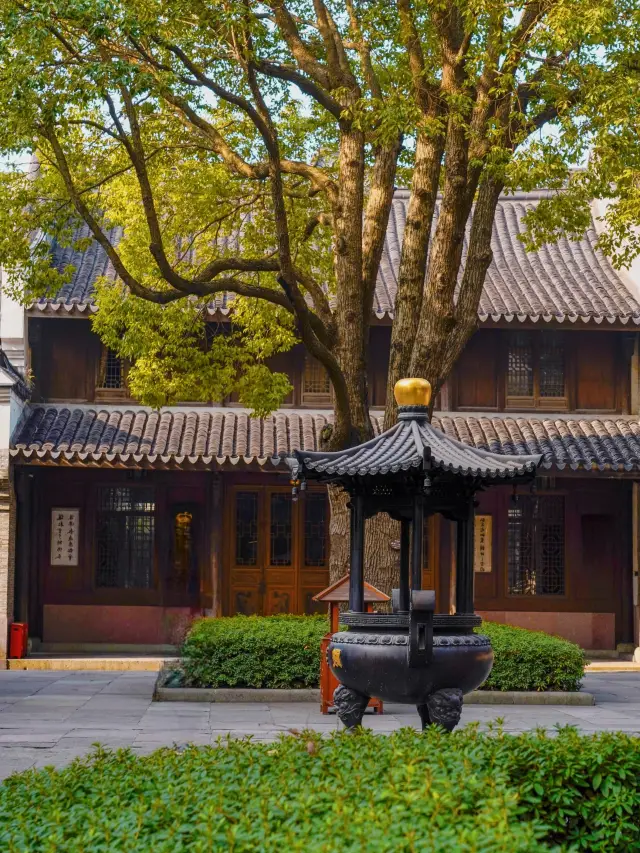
<point x="284" y="651"/>
<point x="586" y="790"/>
<point x="400" y="793"/>
<point x="176" y="356"/>
<point x="254" y="651"/>
<point x="532" y="660"/>
<point x="145" y="116"/>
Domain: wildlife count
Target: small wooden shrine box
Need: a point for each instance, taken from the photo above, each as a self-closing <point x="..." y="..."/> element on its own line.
<point x="336" y="594"/>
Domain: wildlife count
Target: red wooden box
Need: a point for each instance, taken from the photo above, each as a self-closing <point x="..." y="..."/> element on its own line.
<point x="334" y="595"/>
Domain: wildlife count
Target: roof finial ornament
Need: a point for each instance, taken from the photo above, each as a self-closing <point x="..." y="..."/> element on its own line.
<point x="412" y="392"/>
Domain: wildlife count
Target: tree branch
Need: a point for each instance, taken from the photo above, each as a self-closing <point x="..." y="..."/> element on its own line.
<point x="306" y="85"/>
<point x="301" y="51"/>
<point x="159" y="297"/>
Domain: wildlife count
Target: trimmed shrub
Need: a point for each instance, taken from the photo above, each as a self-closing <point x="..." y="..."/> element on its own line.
<point x="284" y="651"/>
<point x="254" y="651"/>
<point x="408" y="791"/>
<point x="532" y="660"/>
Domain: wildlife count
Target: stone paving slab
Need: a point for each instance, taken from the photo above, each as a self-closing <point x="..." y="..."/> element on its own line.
<point x="53" y="717"/>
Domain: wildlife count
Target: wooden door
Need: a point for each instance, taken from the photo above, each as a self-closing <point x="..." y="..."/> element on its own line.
<point x="277" y="554"/>
<point x="245" y="565"/>
<point x="280" y="545"/>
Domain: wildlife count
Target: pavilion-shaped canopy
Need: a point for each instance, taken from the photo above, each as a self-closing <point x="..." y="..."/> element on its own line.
<point x="412" y="443"/>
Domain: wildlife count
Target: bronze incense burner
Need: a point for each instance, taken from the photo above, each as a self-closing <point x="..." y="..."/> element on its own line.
<point x="412" y="655"/>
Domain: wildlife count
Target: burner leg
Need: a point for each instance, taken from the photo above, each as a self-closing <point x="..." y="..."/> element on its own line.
<point x="350" y="706"/>
<point x="443" y="708"/>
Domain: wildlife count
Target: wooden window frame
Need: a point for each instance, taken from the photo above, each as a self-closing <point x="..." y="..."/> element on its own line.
<point x="535" y="401"/>
<point x="108" y="395"/>
<point x="547" y="597"/>
<point x="313" y="399"/>
<point x="142" y="595"/>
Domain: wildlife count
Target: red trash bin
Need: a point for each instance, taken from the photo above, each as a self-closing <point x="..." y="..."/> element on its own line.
<point x="18" y="639"/>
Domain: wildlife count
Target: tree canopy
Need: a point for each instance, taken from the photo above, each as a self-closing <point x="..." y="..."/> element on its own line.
<point x="252" y="149"/>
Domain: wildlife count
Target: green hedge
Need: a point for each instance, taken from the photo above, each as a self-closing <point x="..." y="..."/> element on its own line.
<point x="254" y="651"/>
<point x="405" y="792"/>
<point x="532" y="660"/>
<point x="284" y="651"/>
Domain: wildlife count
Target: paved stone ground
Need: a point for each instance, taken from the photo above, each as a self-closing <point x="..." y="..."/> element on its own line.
<point x="49" y="718"/>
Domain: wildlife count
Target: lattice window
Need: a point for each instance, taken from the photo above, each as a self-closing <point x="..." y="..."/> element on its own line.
<point x="536" y="370"/>
<point x="280" y="529"/>
<point x="111" y="371"/>
<point x="125" y="533"/>
<point x="315" y="529"/>
<point x="536" y="545"/>
<point x="316" y="385"/>
<point x="551" y="365"/>
<point x="520" y="366"/>
<point x="246" y="528"/>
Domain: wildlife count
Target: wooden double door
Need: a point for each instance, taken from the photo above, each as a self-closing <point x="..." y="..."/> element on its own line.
<point x="277" y="550"/>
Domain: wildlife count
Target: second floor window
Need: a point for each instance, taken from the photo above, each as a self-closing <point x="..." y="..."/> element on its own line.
<point x="316" y="385"/>
<point x="111" y="371"/>
<point x="536" y="370"/>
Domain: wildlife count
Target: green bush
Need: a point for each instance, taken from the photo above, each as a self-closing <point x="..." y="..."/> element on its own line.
<point x="254" y="651"/>
<point x="405" y="792"/>
<point x="284" y="651"/>
<point x="532" y="660"/>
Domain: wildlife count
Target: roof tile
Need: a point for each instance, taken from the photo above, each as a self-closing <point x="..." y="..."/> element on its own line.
<point x="611" y="443"/>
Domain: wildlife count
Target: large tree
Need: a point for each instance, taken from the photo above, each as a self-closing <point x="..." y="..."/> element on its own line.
<point x="252" y="148"/>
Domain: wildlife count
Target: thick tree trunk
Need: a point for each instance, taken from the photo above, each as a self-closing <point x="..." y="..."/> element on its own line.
<point x="382" y="544"/>
<point x="413" y="263"/>
<point x="350" y="320"/>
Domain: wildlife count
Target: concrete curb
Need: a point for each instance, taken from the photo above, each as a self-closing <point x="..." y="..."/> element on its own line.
<point x="526" y="697"/>
<point x="477" y="697"/>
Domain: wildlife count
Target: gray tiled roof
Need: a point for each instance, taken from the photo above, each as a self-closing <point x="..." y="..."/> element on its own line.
<point x="184" y="437"/>
<point x="570" y="280"/>
<point x="567" y="280"/>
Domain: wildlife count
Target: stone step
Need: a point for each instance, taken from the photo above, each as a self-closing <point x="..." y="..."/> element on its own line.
<point x="612" y="666"/>
<point x="102" y="663"/>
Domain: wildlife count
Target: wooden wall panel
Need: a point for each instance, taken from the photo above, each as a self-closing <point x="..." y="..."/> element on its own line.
<point x="597" y="555"/>
<point x="595" y="371"/>
<point x="76" y="584"/>
<point x="477" y="372"/>
<point x="65" y="357"/>
<point x="597" y="574"/>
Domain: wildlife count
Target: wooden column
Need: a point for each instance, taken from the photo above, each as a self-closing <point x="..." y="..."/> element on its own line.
<point x="416" y="542"/>
<point x="405" y="542"/>
<point x="464" y="561"/>
<point x="635" y="568"/>
<point x="24" y="534"/>
<point x="215" y="544"/>
<point x="356" y="575"/>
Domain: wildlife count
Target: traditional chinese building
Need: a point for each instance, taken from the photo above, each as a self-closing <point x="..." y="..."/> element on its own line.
<point x="118" y="524"/>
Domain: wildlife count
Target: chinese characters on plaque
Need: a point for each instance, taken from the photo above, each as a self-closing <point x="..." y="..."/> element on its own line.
<point x="64" y="537"/>
<point x="482" y="544"/>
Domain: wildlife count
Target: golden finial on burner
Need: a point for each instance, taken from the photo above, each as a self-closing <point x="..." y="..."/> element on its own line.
<point x="412" y="392"/>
